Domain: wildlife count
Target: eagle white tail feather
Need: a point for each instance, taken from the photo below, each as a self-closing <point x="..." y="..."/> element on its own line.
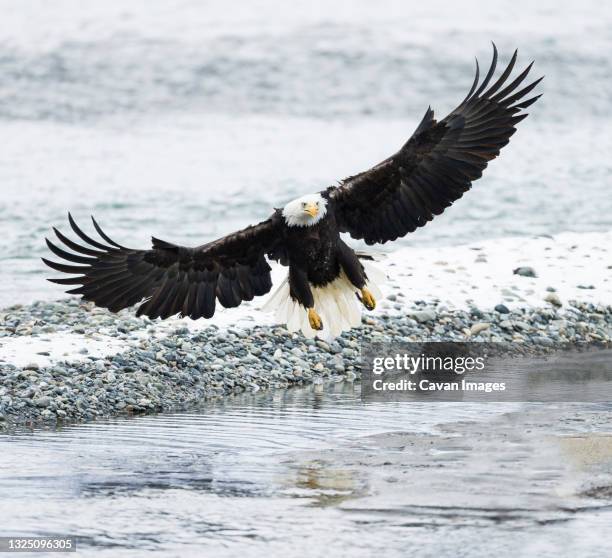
<point x="335" y="303"/>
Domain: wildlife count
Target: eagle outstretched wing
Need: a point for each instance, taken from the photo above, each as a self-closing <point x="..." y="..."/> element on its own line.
<point x="436" y="165"/>
<point x="171" y="279"/>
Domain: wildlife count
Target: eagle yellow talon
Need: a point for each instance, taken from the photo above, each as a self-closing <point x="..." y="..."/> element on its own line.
<point x="367" y="299"/>
<point x="314" y="319"/>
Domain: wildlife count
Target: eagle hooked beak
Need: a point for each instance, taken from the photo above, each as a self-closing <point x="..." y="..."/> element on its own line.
<point x="311" y="209"/>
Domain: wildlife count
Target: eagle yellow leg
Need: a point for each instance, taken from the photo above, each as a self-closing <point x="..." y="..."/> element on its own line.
<point x="367" y="299"/>
<point x="314" y="319"/>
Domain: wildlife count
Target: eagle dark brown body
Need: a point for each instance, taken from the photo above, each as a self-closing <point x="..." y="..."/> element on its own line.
<point x="316" y="255"/>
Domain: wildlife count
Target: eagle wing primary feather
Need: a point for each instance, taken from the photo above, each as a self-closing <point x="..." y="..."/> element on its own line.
<point x="171" y="279"/>
<point x="437" y="164"/>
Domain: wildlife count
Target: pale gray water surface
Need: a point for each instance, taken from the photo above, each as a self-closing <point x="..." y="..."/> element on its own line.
<point x="187" y="120"/>
<point x="315" y="472"/>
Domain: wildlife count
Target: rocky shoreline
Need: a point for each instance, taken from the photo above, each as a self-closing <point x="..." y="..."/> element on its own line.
<point x="171" y="367"/>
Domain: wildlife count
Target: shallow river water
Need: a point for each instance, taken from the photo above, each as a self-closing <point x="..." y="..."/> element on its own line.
<point x="316" y="472"/>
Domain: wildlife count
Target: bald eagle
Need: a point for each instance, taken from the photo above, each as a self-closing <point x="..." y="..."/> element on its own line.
<point x="326" y="278"/>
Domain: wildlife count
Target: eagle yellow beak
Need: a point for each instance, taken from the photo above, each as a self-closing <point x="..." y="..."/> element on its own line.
<point x="311" y="209"/>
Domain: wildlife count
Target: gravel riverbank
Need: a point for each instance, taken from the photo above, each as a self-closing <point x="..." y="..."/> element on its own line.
<point x="132" y="365"/>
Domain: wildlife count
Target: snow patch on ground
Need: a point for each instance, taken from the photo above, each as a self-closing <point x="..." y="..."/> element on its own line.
<point x="46" y="349"/>
<point x="577" y="265"/>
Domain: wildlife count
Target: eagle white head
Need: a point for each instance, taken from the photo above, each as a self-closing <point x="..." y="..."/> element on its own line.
<point x="305" y="211"/>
